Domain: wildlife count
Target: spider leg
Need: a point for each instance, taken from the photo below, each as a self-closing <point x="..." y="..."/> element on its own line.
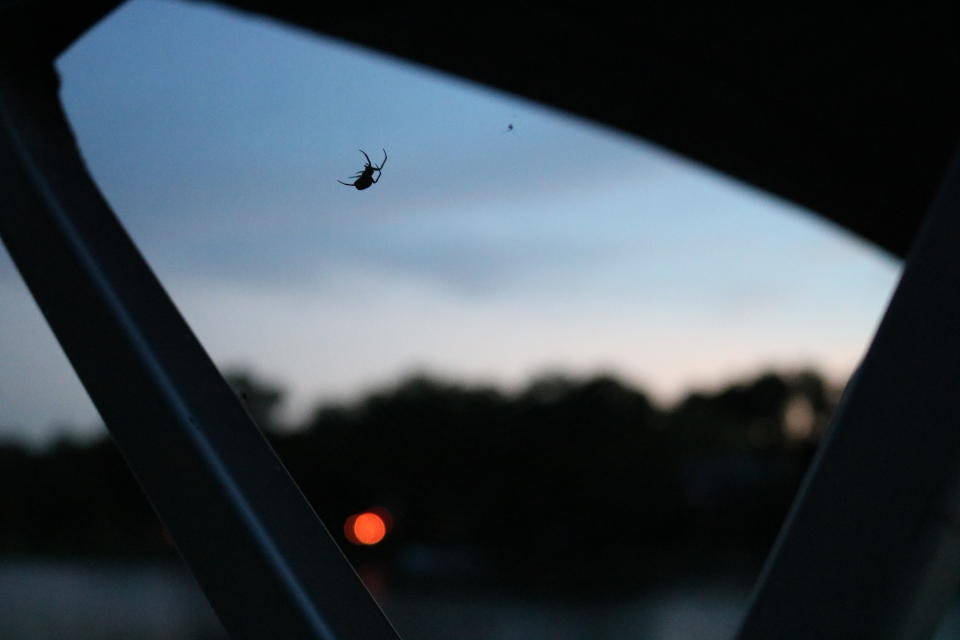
<point x="384" y="159"/>
<point x="345" y="183"/>
<point x="365" y="156"/>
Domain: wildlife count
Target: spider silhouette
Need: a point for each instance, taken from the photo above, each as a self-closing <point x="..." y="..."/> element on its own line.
<point x="364" y="177"/>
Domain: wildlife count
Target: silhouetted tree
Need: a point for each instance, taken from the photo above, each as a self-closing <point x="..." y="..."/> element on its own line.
<point x="589" y="471"/>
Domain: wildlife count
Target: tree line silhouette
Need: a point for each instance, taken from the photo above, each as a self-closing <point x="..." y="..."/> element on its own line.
<point x="565" y="477"/>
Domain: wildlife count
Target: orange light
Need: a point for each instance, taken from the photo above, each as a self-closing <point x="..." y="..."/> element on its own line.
<point x="367" y="528"/>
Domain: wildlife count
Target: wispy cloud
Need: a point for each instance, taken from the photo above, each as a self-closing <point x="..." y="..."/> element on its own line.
<point x="218" y="139"/>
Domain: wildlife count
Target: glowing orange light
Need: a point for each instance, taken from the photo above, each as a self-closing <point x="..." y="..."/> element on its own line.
<point x="367" y="528"/>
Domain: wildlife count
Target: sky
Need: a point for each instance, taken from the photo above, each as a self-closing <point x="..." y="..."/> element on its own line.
<point x="486" y="253"/>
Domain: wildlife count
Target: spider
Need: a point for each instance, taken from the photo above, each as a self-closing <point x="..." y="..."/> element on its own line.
<point x="364" y="177"/>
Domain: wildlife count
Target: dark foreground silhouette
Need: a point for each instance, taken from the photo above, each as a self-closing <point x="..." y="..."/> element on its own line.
<point x="574" y="481"/>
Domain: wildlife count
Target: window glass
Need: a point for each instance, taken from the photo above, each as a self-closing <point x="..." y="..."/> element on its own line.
<point x="535" y="357"/>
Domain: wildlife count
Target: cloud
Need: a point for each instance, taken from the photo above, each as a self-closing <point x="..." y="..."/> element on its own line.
<point x="219" y="141"/>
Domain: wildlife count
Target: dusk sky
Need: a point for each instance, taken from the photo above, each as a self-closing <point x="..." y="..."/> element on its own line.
<point x="484" y="254"/>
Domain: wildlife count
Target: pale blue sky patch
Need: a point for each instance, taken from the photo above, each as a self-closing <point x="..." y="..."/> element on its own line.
<point x="482" y="253"/>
